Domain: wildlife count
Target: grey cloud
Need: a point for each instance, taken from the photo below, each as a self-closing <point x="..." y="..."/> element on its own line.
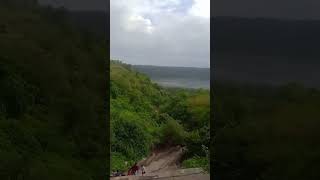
<point x="175" y="41"/>
<point x="84" y="5"/>
<point x="297" y="9"/>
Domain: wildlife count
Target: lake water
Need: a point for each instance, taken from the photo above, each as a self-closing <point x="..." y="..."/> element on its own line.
<point x="184" y="83"/>
<point x="183" y="77"/>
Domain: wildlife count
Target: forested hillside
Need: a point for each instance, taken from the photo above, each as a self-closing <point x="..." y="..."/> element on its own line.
<point x="52" y="96"/>
<point x="145" y="116"/>
<point x="268" y="133"/>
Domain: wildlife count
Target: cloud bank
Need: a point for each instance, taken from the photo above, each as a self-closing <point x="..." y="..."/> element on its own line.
<point x="161" y="32"/>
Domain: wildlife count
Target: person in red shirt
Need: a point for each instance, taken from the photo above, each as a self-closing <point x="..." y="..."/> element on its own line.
<point x="133" y="169"/>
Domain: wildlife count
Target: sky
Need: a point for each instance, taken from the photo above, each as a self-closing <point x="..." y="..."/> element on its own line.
<point x="288" y="9"/>
<point x="307" y="9"/>
<point x="154" y="32"/>
<point x="82" y="5"/>
<point x="176" y="32"/>
<point x="161" y="32"/>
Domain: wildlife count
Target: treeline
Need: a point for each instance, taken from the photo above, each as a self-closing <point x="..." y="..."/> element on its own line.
<point x="145" y="116"/>
<point x="52" y="97"/>
<point x="160" y="72"/>
<point x="266" y="133"/>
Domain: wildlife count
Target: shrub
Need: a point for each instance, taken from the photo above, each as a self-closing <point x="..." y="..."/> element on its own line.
<point x="172" y="132"/>
<point x="196" y="162"/>
<point x="118" y="162"/>
<point x="130" y="136"/>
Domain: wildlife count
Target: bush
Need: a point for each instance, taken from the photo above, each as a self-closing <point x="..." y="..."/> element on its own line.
<point x="196" y="162"/>
<point x="172" y="132"/>
<point x="118" y="162"/>
<point x="52" y="123"/>
<point x="130" y="136"/>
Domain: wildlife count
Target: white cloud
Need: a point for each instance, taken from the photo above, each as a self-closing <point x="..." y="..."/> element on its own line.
<point x="153" y="32"/>
<point x="201" y="8"/>
<point x="139" y="23"/>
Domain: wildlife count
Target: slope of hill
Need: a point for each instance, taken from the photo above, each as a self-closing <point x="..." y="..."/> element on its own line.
<point x="265" y="127"/>
<point x="266" y="132"/>
<point x="52" y="91"/>
<point x="95" y="22"/>
<point x="145" y="116"/>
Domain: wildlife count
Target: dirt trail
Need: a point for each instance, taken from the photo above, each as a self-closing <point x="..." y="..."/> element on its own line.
<point x="163" y="161"/>
<point x="165" y="164"/>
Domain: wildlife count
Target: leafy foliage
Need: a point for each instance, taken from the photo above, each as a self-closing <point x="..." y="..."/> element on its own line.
<point x="52" y="115"/>
<point x="266" y="132"/>
<point x="144" y="116"/>
<point x="196" y="162"/>
<point x="172" y="132"/>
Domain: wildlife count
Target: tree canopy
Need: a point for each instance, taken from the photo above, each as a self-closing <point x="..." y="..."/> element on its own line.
<point x="52" y="97"/>
<point x="145" y="116"/>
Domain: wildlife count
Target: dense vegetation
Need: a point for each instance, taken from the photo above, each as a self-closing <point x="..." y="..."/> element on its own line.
<point x="145" y="116"/>
<point x="52" y="96"/>
<point x="266" y="133"/>
<point x="261" y="132"/>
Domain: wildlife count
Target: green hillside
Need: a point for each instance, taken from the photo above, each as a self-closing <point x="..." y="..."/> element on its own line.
<point x="52" y="91"/>
<point x="268" y="133"/>
<point x="145" y="116"/>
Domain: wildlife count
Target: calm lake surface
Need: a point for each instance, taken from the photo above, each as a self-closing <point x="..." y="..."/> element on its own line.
<point x="184" y="83"/>
<point x="183" y="77"/>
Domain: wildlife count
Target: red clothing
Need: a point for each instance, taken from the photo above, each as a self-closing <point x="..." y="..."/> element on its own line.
<point x="133" y="169"/>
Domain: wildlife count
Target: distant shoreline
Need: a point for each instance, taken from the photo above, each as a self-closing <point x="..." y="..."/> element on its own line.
<point x="181" y="83"/>
<point x="177" y="77"/>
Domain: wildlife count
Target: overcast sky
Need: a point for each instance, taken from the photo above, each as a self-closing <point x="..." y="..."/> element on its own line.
<point x="290" y="9"/>
<point x="176" y="32"/>
<point x="161" y="32"/>
<point x="308" y="9"/>
<point x="82" y="5"/>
